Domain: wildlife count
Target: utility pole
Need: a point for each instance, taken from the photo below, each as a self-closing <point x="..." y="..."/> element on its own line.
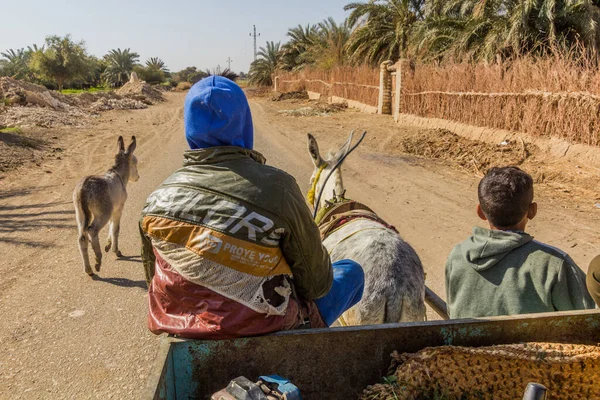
<point x="254" y="35"/>
<point x="229" y="61"/>
<point x="218" y="69"/>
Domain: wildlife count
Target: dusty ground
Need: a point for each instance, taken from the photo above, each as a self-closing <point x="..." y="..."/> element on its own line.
<point x="65" y="335"/>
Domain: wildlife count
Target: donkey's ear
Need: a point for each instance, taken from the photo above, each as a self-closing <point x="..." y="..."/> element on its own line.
<point x="313" y="149"/>
<point x="131" y="147"/>
<point x="121" y="144"/>
<point x="345" y="147"/>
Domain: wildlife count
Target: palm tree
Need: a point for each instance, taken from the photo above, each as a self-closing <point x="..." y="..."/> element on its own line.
<point x="15" y="63"/>
<point x="333" y="40"/>
<point x="14" y="56"/>
<point x="120" y="64"/>
<point x="35" y="48"/>
<point x="157" y="64"/>
<point x="486" y="29"/>
<point x="229" y="74"/>
<point x="261" y="70"/>
<point x="382" y="28"/>
<point x="296" y="52"/>
<point x="323" y="45"/>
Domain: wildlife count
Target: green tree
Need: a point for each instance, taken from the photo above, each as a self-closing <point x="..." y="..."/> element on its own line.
<point x="119" y="65"/>
<point x="262" y="70"/>
<point x="382" y="28"/>
<point x="189" y="74"/>
<point x="63" y="60"/>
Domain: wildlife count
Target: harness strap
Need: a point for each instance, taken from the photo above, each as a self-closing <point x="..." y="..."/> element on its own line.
<point x="343" y="219"/>
<point x="340" y="206"/>
<point x="344" y="211"/>
<point x="310" y="196"/>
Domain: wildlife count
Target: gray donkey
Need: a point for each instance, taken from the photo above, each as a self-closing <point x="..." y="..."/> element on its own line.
<point x="394" y="277"/>
<point x="100" y="199"/>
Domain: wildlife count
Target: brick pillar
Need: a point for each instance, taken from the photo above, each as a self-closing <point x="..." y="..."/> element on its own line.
<point x="384" y="104"/>
<point x="276" y="81"/>
<point x="401" y="67"/>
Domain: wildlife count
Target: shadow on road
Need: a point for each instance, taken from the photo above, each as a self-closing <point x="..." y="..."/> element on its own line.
<point x="18" y="221"/>
<point x="135" y="259"/>
<point x="122" y="282"/>
<point x="20" y="140"/>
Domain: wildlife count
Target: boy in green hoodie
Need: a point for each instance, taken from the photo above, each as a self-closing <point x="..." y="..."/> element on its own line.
<point x="502" y="270"/>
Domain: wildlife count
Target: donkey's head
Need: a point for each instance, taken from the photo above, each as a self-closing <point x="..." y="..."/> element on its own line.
<point x="126" y="162"/>
<point x="323" y="166"/>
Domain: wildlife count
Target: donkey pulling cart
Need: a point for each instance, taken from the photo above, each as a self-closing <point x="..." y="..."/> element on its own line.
<point x="484" y="358"/>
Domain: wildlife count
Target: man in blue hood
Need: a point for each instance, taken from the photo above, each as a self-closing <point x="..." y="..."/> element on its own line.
<point x="230" y="248"/>
<point x="216" y="113"/>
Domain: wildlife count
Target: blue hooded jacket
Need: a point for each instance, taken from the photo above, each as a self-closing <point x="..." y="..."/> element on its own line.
<point x="216" y="113"/>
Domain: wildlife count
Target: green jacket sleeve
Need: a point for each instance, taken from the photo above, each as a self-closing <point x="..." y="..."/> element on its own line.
<point x="148" y="258"/>
<point x="303" y="249"/>
<point x="569" y="291"/>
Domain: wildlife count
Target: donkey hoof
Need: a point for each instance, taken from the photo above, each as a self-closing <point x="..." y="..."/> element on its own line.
<point x="119" y="254"/>
<point x="97" y="266"/>
<point x="90" y="272"/>
<point x="107" y="247"/>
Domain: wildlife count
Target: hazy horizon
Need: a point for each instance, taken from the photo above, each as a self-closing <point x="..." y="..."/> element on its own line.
<point x="182" y="34"/>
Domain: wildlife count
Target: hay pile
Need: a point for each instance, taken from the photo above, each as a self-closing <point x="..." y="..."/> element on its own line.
<point x="470" y="154"/>
<point x="316" y="109"/>
<point x="297" y="95"/>
<point x="499" y="372"/>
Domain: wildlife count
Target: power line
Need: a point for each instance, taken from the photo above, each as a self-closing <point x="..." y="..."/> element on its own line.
<point x="254" y="35"/>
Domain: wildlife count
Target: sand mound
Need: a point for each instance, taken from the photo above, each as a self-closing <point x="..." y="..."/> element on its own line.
<point x="19" y="93"/>
<point x="140" y="90"/>
<point x="26" y="104"/>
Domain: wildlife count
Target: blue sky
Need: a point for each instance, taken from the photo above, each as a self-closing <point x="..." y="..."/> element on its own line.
<point x="182" y="33"/>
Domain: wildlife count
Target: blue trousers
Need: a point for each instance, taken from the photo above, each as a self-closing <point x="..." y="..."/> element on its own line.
<point x="346" y="291"/>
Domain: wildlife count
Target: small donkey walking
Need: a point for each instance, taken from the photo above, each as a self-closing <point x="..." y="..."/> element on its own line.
<point x="100" y="199"/>
<point x="394" y="277"/>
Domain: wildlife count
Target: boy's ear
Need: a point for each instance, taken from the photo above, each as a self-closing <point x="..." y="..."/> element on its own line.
<point x="480" y="213"/>
<point x="532" y="210"/>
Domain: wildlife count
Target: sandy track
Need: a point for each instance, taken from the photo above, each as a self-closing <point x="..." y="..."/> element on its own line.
<point x="67" y="336"/>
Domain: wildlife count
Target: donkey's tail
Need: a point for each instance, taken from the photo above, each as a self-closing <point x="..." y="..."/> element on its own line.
<point x="401" y="307"/>
<point x="82" y="212"/>
<point x="393" y="308"/>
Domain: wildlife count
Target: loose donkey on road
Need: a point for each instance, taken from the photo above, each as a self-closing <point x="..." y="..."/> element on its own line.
<point x="100" y="199"/>
<point x="394" y="277"/>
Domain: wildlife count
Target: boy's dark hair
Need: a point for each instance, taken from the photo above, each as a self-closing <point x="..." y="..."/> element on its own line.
<point x="505" y="194"/>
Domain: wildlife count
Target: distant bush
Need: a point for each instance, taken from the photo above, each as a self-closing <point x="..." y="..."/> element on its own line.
<point x="90" y="90"/>
<point x="184" y="86"/>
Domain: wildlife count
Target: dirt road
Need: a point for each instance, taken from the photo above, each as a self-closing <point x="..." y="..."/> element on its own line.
<point x="65" y="335"/>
